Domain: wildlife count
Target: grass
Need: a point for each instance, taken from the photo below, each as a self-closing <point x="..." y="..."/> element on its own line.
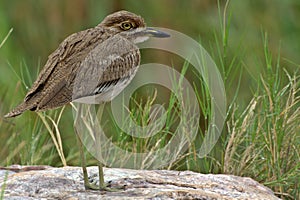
<point x="3" y="186"/>
<point x="6" y="37"/>
<point x="261" y="139"/>
<point x="56" y="138"/>
<point x="6" y="174"/>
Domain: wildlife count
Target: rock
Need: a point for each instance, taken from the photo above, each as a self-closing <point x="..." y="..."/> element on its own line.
<point x="36" y="182"/>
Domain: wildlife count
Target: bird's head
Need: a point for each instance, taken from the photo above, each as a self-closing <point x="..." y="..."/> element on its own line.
<point x="131" y="26"/>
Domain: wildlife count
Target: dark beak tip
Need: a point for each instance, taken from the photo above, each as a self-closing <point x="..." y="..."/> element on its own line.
<point x="157" y="33"/>
<point x="165" y="35"/>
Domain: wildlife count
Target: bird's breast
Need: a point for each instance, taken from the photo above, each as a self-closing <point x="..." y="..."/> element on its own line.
<point x="106" y="71"/>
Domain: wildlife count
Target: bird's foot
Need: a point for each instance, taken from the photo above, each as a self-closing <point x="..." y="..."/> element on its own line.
<point x="107" y="188"/>
<point x="93" y="184"/>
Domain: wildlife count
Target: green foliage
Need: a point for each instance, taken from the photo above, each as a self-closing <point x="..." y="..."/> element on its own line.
<point x="3" y="186"/>
<point x="261" y="137"/>
<point x="263" y="140"/>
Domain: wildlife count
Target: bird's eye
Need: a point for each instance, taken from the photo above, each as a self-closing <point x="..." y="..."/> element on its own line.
<point x="126" y="26"/>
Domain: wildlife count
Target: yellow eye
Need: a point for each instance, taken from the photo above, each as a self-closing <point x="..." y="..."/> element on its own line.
<point x="126" y="26"/>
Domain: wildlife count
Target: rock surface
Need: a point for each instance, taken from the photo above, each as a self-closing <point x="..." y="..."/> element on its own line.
<point x="42" y="182"/>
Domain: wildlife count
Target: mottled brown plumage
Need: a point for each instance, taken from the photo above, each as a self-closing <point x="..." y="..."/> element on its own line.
<point x="104" y="56"/>
<point x="91" y="66"/>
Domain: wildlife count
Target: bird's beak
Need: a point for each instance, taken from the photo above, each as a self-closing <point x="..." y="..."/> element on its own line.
<point x="155" y="33"/>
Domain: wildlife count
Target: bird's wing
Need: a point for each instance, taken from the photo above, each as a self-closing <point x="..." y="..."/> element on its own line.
<point x="106" y="71"/>
<point x="113" y="60"/>
<point x="71" y="48"/>
<point x="86" y="64"/>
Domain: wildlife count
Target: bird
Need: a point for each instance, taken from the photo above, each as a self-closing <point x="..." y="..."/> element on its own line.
<point x="91" y="66"/>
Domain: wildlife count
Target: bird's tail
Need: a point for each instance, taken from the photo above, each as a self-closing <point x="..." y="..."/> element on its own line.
<point x="19" y="109"/>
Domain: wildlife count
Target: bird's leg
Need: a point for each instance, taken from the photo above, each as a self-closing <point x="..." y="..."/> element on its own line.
<point x="87" y="184"/>
<point x="102" y="185"/>
<point x="97" y="135"/>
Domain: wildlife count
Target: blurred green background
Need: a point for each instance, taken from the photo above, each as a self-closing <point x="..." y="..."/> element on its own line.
<point x="39" y="27"/>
